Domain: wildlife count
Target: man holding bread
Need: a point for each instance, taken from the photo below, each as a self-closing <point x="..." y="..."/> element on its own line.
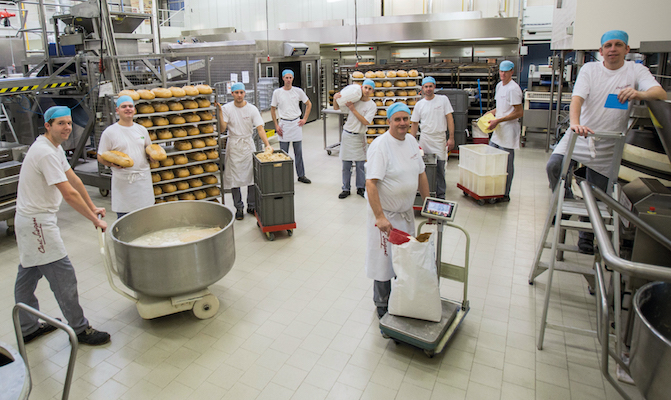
<point x="353" y="142"/>
<point x="289" y="127"/>
<point x="241" y="119"/>
<point x="45" y="180"/>
<point x="131" y="179"/>
<point x="433" y="115"/>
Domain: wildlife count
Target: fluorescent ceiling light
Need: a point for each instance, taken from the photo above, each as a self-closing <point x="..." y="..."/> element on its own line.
<point x="332" y="1"/>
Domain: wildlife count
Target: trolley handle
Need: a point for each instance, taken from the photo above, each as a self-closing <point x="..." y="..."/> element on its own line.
<point x="108" y="264"/>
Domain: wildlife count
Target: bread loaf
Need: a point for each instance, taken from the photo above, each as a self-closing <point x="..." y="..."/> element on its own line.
<point x="204" y="89"/>
<point x="413" y="73"/>
<point x="391" y="74"/>
<point x="369" y="74"/>
<point x="371" y="131"/>
<point x="207" y="128"/>
<point x="171" y="198"/>
<point x="183" y="145"/>
<point x="192" y="131"/>
<point x="168" y="162"/>
<point x="212" y="191"/>
<point x="378" y="103"/>
<point x="195" y="170"/>
<point x="200" y="194"/>
<point x="118" y="158"/>
<point x="212" y="154"/>
<point x="146" y="122"/>
<point x="210" y="141"/>
<point x="144" y="108"/>
<point x="209" y="180"/>
<point x="389" y="93"/>
<point x="386" y="84"/>
<point x="187" y="196"/>
<point x="205" y="116"/>
<point x="169" y="188"/>
<point x="162" y="93"/>
<point x="370" y="140"/>
<point x="155" y="178"/>
<point x="357" y="74"/>
<point x="157" y="191"/>
<point x="381" y="130"/>
<point x="146" y="94"/>
<point x="401" y="101"/>
<point x="159" y="201"/>
<point x="191" y="117"/>
<point x="401" y="84"/>
<point x="198" y="143"/>
<point x="176" y="119"/>
<point x="152" y="136"/>
<point x="379" y="93"/>
<point x="132" y="93"/>
<point x="211" y="167"/>
<point x="198" y="156"/>
<point x="167" y="175"/>
<point x="156" y="152"/>
<point x="175" y="106"/>
<point x="160" y="121"/>
<point x="411" y="83"/>
<point x="379" y="74"/>
<point x="160" y="107"/>
<point x="164" y="134"/>
<point x="181" y="159"/>
<point x="182" y="185"/>
<point x="182" y="172"/>
<point x="189" y="104"/>
<point x="388" y="103"/>
<point x="401" y="73"/>
<point x="177" y="92"/>
<point x="203" y="102"/>
<point x="190" y="90"/>
<point x="379" y="121"/>
<point x="401" y="93"/>
<point x="178" y="132"/>
<point x="195" y="183"/>
<point x="382" y="113"/>
<point x="360" y="83"/>
<point x="154" y="164"/>
<point x="378" y="84"/>
<point x="412" y="92"/>
<point x="411" y="102"/>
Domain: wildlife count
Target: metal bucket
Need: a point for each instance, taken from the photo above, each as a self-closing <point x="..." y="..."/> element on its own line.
<point x="174" y="270"/>
<point x="650" y="362"/>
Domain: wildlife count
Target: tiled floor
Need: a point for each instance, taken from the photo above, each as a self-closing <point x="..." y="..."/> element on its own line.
<point x="297" y="319"/>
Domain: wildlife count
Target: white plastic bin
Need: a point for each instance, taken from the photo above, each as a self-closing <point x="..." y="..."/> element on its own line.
<point x="482" y="185"/>
<point x="482" y="159"/>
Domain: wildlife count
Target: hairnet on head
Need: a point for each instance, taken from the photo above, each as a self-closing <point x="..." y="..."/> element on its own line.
<point x="238" y="86"/>
<point x="396" y="107"/>
<point x="287" y="71"/>
<point x="506" y="66"/>
<point x="123" y="99"/>
<point x="615" y="34"/>
<point x="369" y="82"/>
<point x="428" y="79"/>
<point x="56" y="112"/>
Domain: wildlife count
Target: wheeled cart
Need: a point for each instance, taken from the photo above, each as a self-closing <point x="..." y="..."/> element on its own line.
<point x="274" y="190"/>
<point x="480" y="199"/>
<point x="482" y="172"/>
<point x="433" y="336"/>
<point x="269" y="231"/>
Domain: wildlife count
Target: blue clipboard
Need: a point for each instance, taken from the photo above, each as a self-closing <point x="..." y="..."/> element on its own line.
<point x="613" y="102"/>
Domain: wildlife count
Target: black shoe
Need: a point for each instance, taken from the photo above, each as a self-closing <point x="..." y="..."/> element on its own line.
<point x="304" y="179"/>
<point x="343" y="194"/>
<point x="93" y="337"/>
<point x="44" y="329"/>
<point x="586" y="246"/>
<point x="504" y="199"/>
<point x="361" y="192"/>
<point x="239" y="214"/>
<point x="250" y="211"/>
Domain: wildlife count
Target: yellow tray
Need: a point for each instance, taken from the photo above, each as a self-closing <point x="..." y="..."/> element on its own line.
<point x="483" y="122"/>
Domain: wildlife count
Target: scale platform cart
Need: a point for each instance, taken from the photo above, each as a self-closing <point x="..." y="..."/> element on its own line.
<point x="480" y="199"/>
<point x="426" y="335"/>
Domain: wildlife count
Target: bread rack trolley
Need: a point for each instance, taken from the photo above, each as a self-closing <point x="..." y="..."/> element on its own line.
<point x="433" y="336"/>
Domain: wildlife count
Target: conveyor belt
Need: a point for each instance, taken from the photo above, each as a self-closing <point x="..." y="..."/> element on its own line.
<point x="30" y="84"/>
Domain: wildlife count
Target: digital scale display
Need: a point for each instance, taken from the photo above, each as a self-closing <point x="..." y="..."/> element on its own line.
<point x="439" y="208"/>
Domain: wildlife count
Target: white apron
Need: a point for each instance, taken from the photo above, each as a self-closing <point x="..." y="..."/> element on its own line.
<point x="378" y="253"/>
<point x="38" y="239"/>
<point x="131" y="190"/>
<point x="353" y="146"/>
<point x="238" y="171"/>
<point x="291" y="132"/>
<point x="434" y="143"/>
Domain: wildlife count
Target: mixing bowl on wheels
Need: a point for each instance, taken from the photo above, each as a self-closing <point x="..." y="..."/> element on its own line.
<point x="174" y="276"/>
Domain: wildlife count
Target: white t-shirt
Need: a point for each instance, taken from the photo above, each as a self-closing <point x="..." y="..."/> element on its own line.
<point x="431" y="115"/>
<point x="397" y="165"/>
<point x="595" y="82"/>
<point x="241" y="121"/>
<point x="44" y="166"/>
<point x="367" y="109"/>
<point x="507" y="133"/>
<point x="286" y="102"/>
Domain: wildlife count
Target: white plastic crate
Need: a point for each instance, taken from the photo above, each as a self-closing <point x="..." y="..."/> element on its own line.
<point x="483" y="159"/>
<point x="482" y="185"/>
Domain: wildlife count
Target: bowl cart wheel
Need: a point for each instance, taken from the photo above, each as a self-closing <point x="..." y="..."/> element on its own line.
<point x="206" y="307"/>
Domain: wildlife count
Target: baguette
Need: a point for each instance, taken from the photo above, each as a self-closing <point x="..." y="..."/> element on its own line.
<point x="191" y="90"/>
<point x="146" y="94"/>
<point x="156" y="152"/>
<point x="118" y="158"/>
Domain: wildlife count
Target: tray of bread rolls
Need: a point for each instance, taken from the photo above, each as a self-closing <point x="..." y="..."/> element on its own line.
<point x="213" y="135"/>
<point x="157" y="175"/>
<point x="164" y="166"/>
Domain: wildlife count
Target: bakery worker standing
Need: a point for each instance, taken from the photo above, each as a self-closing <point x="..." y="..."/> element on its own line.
<point x="132" y="186"/>
<point x="353" y="142"/>
<point x="289" y="127"/>
<point x="241" y="118"/>
<point x="45" y="180"/>
<point x="394" y="173"/>
<point x="599" y="103"/>
<point x="506" y="124"/>
<point x="433" y="115"/>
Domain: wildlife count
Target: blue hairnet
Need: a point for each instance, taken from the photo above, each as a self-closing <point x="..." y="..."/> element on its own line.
<point x="56" y="112"/>
<point x="396" y="107"/>
<point x="238" y="86"/>
<point x="123" y="99"/>
<point x="287" y="71"/>
<point x="428" y="79"/>
<point x="615" y="34"/>
<point x="506" y="66"/>
<point x="369" y="82"/>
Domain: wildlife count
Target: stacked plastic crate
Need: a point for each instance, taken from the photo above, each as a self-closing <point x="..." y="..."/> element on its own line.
<point x="274" y="183"/>
<point x="265" y="89"/>
<point x="459" y="101"/>
<point x="482" y="170"/>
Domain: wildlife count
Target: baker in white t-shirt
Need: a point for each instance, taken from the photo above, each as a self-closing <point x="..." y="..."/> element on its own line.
<point x="506" y="123"/>
<point x="45" y="180"/>
<point x="353" y="141"/>
<point x="394" y="172"/>
<point x="433" y="117"/>
<point x="599" y="103"/>
<point x="132" y="186"/>
<point x="289" y="126"/>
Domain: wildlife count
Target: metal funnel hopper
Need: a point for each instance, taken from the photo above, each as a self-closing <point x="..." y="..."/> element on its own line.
<point x="660" y="112"/>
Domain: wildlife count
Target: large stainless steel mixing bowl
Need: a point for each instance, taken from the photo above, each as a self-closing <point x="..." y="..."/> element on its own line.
<point x="650" y="362"/>
<point x="179" y="269"/>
